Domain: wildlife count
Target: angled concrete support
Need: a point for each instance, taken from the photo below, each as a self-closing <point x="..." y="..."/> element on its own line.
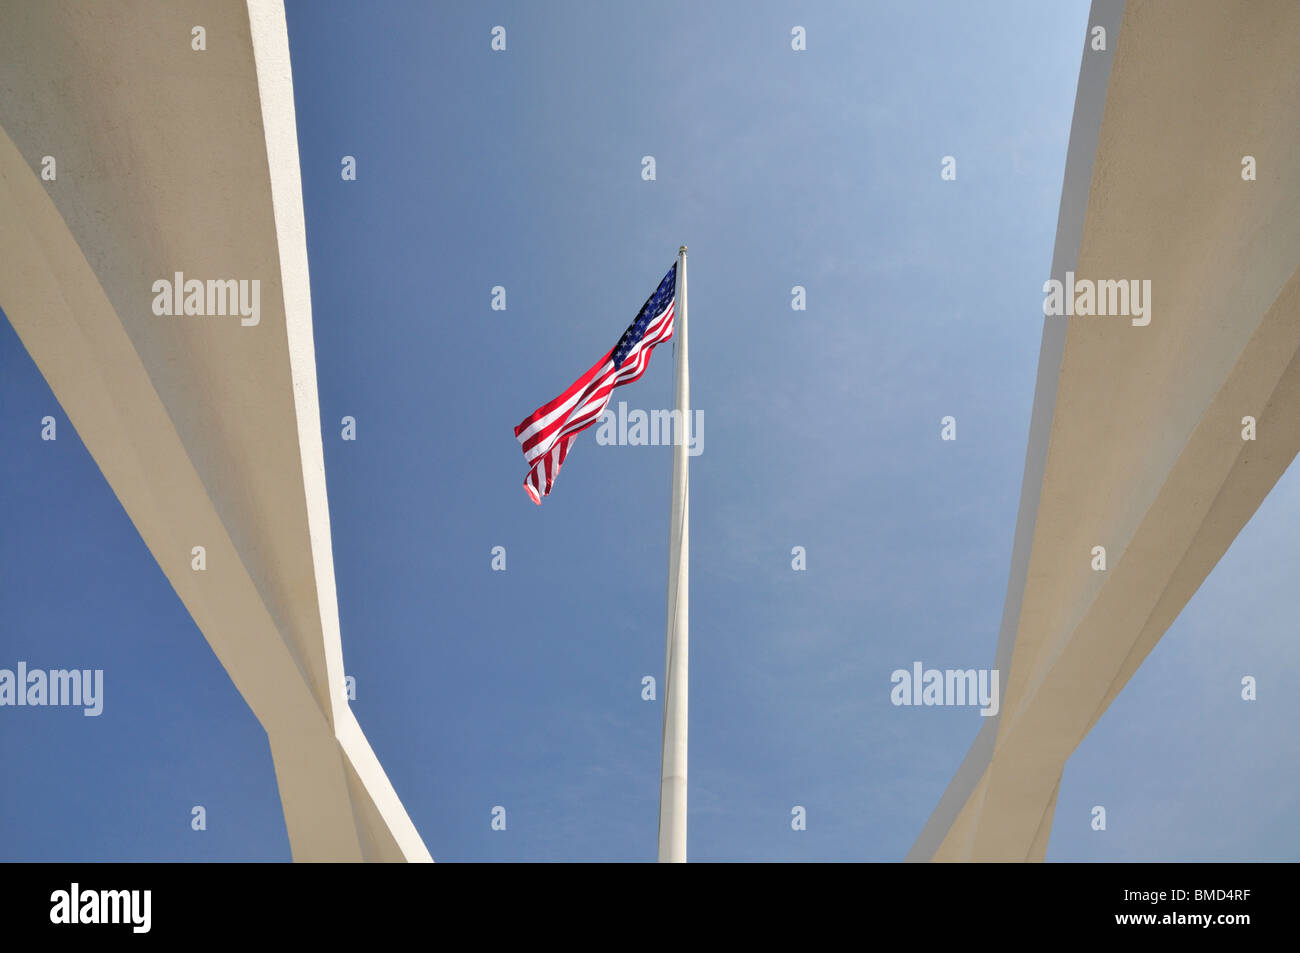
<point x="1136" y="437"/>
<point x="174" y="160"/>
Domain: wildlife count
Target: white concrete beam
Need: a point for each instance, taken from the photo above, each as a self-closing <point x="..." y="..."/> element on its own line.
<point x="175" y="160"/>
<point x="1144" y="453"/>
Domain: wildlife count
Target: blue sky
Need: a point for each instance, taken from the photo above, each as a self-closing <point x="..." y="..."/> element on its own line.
<point x="522" y="688"/>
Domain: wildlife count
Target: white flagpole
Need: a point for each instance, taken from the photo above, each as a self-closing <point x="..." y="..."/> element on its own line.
<point x="672" y="772"/>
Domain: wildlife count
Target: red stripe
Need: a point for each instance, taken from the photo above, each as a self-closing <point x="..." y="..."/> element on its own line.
<point x="541" y="441"/>
<point x="550" y="405"/>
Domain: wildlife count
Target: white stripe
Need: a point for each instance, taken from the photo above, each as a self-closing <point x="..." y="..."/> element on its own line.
<point x="544" y="422"/>
<point x="544" y="446"/>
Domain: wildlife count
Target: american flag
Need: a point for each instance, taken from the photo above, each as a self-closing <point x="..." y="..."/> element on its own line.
<point x="547" y="433"/>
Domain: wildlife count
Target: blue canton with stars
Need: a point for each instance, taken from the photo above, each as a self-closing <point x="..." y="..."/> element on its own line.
<point x="653" y="307"/>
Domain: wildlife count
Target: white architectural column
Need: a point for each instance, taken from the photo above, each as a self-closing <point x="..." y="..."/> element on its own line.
<point x="1136" y="438"/>
<point x="172" y="160"/>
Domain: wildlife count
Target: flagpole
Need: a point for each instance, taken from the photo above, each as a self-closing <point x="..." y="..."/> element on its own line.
<point x="672" y="772"/>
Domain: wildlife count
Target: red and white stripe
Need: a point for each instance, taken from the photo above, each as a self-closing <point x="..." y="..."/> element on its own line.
<point x="547" y="433"/>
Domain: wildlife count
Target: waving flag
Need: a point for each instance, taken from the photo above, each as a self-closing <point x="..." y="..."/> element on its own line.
<point x="547" y="433"/>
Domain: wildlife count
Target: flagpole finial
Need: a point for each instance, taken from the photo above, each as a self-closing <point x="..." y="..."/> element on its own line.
<point x="682" y="249"/>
